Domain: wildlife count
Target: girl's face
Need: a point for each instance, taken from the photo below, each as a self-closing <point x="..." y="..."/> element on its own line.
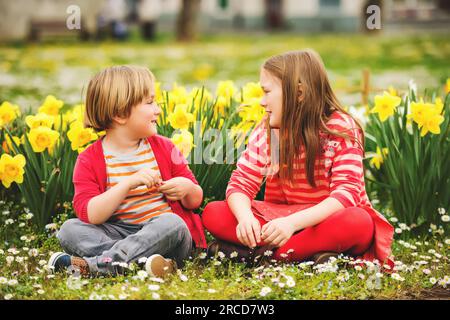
<point x="143" y="117"/>
<point x="272" y="100"/>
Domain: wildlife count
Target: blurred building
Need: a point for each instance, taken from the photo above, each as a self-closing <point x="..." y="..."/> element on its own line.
<point x="18" y="17"/>
<point x="417" y="14"/>
<point x="297" y="15"/>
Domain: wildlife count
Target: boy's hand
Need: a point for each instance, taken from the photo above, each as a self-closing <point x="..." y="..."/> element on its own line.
<point x="176" y="188"/>
<point x="146" y="177"/>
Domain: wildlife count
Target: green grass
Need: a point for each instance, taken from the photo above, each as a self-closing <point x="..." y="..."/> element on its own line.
<point x="32" y="71"/>
<point x="423" y="267"/>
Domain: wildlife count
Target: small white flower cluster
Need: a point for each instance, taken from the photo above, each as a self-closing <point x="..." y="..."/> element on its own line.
<point x="444" y="216"/>
<point x="407" y="245"/>
<point x="397" y="277"/>
<point x="10" y="282"/>
<point x="265" y="291"/>
<point x="153" y="287"/>
<point x="141" y="275"/>
<point x="182" y="276"/>
<point x="53" y="227"/>
<point x="330" y="266"/>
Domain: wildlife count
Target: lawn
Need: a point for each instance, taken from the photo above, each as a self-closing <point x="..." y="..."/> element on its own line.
<point x="421" y="272"/>
<point x="30" y="72"/>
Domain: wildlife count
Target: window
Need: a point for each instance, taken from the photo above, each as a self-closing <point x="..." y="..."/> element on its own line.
<point x="330" y="3"/>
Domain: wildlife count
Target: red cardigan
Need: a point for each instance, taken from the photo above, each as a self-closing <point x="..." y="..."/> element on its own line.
<point x="89" y="179"/>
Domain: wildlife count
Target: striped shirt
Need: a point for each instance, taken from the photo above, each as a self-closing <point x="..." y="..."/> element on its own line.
<point x="141" y="203"/>
<point x="338" y="172"/>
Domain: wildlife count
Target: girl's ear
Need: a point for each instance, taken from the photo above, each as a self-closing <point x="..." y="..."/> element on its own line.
<point x="301" y="93"/>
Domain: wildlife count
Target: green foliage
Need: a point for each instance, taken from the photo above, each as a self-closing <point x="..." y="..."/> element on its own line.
<point x="415" y="174"/>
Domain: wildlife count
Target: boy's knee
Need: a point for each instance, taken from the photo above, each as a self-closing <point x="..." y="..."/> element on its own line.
<point x="69" y="230"/>
<point x="174" y="222"/>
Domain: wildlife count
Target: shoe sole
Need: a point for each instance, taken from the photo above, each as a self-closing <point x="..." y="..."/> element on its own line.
<point x="51" y="261"/>
<point x="158" y="266"/>
<point x="212" y="250"/>
<point x="322" y="258"/>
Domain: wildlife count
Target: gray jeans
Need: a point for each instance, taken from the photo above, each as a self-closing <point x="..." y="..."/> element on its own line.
<point x="115" y="241"/>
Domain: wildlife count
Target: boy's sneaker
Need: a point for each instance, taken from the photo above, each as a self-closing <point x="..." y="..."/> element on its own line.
<point x="61" y="261"/>
<point x="158" y="266"/>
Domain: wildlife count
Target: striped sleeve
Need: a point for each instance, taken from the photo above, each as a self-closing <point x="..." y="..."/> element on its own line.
<point x="250" y="168"/>
<point x="347" y="173"/>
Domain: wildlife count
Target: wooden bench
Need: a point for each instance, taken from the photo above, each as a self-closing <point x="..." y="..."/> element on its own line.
<point x="53" y="28"/>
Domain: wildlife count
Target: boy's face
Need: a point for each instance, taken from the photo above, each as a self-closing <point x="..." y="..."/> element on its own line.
<point x="143" y="117"/>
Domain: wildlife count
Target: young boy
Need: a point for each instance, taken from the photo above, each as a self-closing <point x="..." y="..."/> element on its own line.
<point x="133" y="189"/>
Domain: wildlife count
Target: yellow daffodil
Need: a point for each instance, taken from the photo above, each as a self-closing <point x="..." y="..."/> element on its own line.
<point x="221" y="104"/>
<point x="180" y="117"/>
<point x="198" y="98"/>
<point x="81" y="149"/>
<point x="438" y="105"/>
<point x="252" y="90"/>
<point x="11" y="169"/>
<point x="62" y="121"/>
<point x="392" y="91"/>
<point x="8" y="112"/>
<point x="7" y="144"/>
<point x="80" y="136"/>
<point x="252" y="112"/>
<point x="72" y="115"/>
<point x="385" y="105"/>
<point x="427" y="116"/>
<point x="39" y="120"/>
<point x="184" y="141"/>
<point x="159" y="96"/>
<point x="226" y="89"/>
<point x="447" y="86"/>
<point x="418" y="110"/>
<point x="203" y="72"/>
<point x="42" y="138"/>
<point x="431" y="122"/>
<point x="377" y="159"/>
<point x="51" y="106"/>
<point x="178" y="95"/>
<point x="240" y="132"/>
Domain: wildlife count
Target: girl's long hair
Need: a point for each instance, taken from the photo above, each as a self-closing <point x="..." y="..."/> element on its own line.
<point x="302" y="120"/>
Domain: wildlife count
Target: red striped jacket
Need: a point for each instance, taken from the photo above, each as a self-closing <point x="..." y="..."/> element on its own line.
<point x="338" y="174"/>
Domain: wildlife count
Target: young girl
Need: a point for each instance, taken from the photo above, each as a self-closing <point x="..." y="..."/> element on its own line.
<point x="315" y="203"/>
<point x="133" y="195"/>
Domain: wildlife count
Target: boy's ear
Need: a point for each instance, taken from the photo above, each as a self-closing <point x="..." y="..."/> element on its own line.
<point x="301" y="93"/>
<point x="119" y="120"/>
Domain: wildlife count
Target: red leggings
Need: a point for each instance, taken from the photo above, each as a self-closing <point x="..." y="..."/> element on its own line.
<point x="348" y="231"/>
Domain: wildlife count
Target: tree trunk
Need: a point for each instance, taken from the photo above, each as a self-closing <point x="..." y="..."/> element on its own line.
<point x="187" y="20"/>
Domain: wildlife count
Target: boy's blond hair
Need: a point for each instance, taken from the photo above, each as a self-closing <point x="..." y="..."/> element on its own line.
<point x="113" y="92"/>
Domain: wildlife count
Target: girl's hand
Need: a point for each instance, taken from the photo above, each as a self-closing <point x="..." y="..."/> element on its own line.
<point x="248" y="231"/>
<point x="277" y="232"/>
<point x="145" y="176"/>
<point x="176" y="188"/>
